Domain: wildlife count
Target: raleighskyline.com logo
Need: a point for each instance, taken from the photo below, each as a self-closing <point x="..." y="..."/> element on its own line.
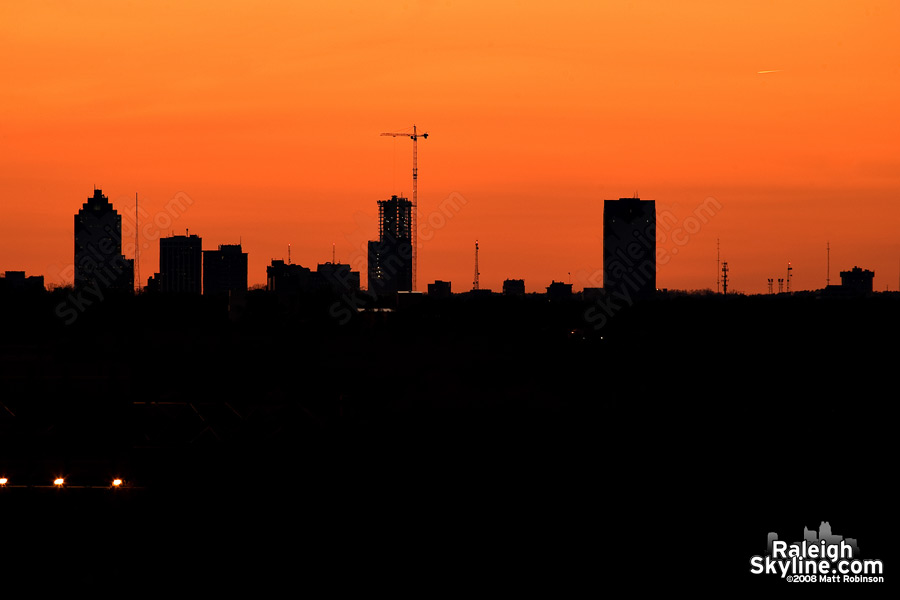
<point x="819" y="558"/>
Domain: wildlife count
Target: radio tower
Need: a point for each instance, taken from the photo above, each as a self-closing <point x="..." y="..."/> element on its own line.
<point x="725" y="277"/>
<point x="414" y="136"/>
<point x="718" y="262"/>
<point x="790" y="268"/>
<point x="475" y="282"/>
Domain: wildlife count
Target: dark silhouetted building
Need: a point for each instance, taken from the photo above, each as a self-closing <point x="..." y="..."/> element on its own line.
<point x="514" y="287"/>
<point x="99" y="262"/>
<point x="629" y="246"/>
<point x="557" y="290"/>
<point x="286" y="278"/>
<point x="225" y="271"/>
<point x="17" y="281"/>
<point x="408" y="299"/>
<point x="479" y="293"/>
<point x="391" y="257"/>
<point x="180" y="264"/>
<point x="329" y="278"/>
<point x="857" y="280"/>
<point x="338" y="277"/>
<point x="439" y="289"/>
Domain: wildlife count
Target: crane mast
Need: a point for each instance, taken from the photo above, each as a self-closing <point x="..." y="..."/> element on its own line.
<point x="137" y="247"/>
<point x="414" y="136"/>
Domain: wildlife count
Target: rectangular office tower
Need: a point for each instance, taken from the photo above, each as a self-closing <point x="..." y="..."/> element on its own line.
<point x="180" y="264"/>
<point x="225" y="271"/>
<point x="629" y="246"/>
<point x="391" y="257"/>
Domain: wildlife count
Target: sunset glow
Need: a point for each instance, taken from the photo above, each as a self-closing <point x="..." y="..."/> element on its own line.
<point x="267" y="117"/>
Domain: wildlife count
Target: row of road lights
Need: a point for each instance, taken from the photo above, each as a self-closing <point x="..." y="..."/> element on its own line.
<point x="60" y="482"/>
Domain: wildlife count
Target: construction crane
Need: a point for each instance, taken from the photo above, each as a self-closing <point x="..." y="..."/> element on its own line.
<point x="414" y="136"/>
<point x="137" y="247"/>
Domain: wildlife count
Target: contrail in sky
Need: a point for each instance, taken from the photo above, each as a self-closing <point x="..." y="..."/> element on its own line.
<point x="771" y="71"/>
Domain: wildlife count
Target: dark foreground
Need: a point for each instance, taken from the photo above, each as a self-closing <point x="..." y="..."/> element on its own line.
<point x="471" y="445"/>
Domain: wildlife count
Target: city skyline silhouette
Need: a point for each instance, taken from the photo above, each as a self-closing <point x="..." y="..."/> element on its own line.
<point x="283" y="146"/>
<point x="647" y="238"/>
<point x="551" y="380"/>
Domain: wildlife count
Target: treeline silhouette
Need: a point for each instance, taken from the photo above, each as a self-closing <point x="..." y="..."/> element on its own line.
<point x="475" y="434"/>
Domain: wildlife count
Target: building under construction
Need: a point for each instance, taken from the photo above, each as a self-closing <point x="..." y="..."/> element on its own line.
<point x="391" y="256"/>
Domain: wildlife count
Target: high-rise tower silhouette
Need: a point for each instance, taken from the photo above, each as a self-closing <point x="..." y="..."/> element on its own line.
<point x="180" y="264"/>
<point x="225" y="271"/>
<point x="390" y="258"/>
<point x="629" y="246"/>
<point x="99" y="262"/>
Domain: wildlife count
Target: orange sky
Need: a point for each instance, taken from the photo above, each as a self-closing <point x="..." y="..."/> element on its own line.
<point x="267" y="114"/>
